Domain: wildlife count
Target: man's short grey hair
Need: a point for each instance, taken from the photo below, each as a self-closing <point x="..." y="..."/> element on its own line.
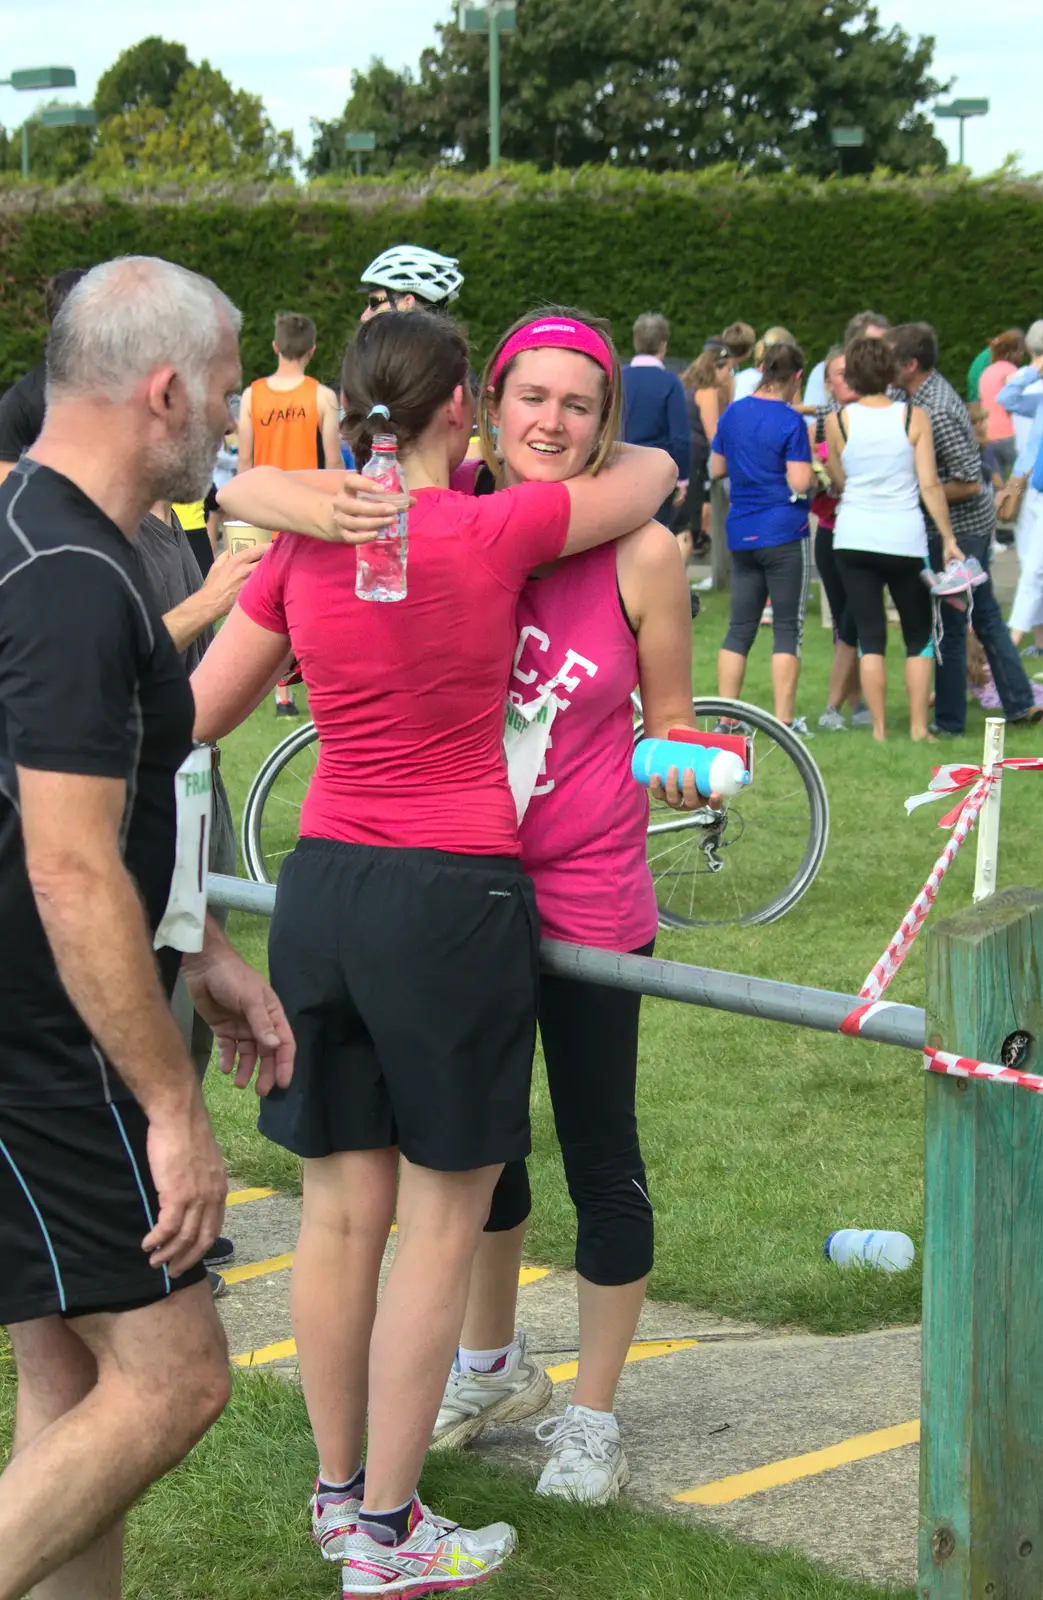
<point x="1034" y="338"/>
<point x="129" y="316"/>
<point x="651" y="332"/>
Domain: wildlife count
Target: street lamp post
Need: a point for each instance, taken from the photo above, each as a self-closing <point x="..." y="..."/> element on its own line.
<point x="29" y="78"/>
<point x="359" y="143"/>
<point x="499" y="16"/>
<point x="962" y="109"/>
<point x="845" y="139"/>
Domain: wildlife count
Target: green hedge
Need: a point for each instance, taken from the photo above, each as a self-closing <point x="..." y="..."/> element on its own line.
<point x="705" y="248"/>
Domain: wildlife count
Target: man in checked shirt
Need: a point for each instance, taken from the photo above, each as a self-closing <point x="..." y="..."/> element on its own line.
<point x="915" y="345"/>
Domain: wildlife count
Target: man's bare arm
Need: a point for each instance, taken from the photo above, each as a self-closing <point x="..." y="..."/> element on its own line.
<point x="93" y="917"/>
<point x="246" y="434"/>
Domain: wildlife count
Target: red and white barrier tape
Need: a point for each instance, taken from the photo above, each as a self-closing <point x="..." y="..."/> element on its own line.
<point x="961" y="1067"/>
<point x="945" y="781"/>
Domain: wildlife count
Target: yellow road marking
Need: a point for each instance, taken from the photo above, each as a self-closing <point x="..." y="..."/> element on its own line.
<point x="287" y="1347"/>
<point x="267" y="1354"/>
<point x="240" y="1197"/>
<point x="743" y="1484"/>
<point x="648" y="1351"/>
<point x="257" y="1269"/>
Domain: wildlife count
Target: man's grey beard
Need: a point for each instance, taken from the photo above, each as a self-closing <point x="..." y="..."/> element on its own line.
<point x="183" y="469"/>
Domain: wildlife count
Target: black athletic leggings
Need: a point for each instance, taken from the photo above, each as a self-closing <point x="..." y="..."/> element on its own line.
<point x="865" y="574"/>
<point x="589" y="1039"/>
<point x="844" y="630"/>
<point x="782" y="571"/>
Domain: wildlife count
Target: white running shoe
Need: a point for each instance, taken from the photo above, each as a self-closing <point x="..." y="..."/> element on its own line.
<point x="474" y="1401"/>
<point x="587" y="1463"/>
<point x="437" y="1556"/>
<point x="331" y="1523"/>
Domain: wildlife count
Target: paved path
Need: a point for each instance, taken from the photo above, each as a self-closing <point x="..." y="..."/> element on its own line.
<point x="787" y="1440"/>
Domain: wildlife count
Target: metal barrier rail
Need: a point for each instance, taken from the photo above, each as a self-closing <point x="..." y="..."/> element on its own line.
<point x="822" y="1009"/>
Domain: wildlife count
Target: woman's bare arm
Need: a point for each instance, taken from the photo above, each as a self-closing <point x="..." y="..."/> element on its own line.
<point x="624" y="496"/>
<point x="234" y="676"/>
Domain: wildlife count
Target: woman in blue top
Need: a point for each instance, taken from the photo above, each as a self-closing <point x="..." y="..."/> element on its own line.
<point x="762" y="446"/>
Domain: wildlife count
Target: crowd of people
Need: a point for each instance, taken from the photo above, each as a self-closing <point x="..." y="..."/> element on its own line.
<point x="909" y="480"/>
<point x="393" y="1047"/>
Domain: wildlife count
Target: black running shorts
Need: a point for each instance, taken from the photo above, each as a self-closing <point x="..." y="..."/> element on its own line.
<point x="410" y="981"/>
<point x="76" y="1200"/>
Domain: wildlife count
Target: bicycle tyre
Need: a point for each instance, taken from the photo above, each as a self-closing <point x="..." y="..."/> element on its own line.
<point x="260" y="789"/>
<point x="818" y="806"/>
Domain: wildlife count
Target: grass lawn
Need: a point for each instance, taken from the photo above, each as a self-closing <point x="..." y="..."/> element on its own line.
<point x="231" y="1524"/>
<point x="761" y="1139"/>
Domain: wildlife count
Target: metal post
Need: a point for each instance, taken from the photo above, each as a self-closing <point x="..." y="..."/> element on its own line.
<point x="981" y="1510"/>
<point x="989" y="816"/>
<point x="494" y="85"/>
<point x="358" y="163"/>
<point x="25" y="148"/>
<point x="962" y="122"/>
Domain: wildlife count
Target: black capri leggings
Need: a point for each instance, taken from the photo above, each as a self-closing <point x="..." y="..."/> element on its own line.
<point x="865" y="574"/>
<point x="590" y="1044"/>
<point x="782" y="571"/>
<point x="844" y="630"/>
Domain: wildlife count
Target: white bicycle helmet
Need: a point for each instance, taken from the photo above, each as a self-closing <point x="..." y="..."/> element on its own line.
<point x="410" y="269"/>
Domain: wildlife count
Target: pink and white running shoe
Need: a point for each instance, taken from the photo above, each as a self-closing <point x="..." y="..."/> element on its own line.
<point x="435" y="1558"/>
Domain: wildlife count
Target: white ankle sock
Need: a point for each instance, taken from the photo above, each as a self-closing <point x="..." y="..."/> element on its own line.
<point x="484" y="1361"/>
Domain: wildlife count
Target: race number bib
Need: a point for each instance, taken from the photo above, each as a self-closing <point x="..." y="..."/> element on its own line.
<point x="185" y="917"/>
<point x="526" y="739"/>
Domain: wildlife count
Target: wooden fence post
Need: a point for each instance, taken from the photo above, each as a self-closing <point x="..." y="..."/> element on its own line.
<point x="981" y="1451"/>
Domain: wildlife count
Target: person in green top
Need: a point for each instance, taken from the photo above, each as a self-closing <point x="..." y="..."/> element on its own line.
<point x="974" y="372"/>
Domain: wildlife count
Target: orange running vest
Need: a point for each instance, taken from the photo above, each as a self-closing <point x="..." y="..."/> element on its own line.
<point x="286" y="425"/>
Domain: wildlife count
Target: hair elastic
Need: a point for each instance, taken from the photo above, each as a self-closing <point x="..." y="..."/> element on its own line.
<point x="379" y="411"/>
<point x="559" y="333"/>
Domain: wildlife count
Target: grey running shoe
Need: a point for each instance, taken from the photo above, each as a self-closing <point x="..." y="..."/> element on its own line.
<point x="474" y="1401"/>
<point x="862" y="717"/>
<point x="436" y="1555"/>
<point x="587" y="1463"/>
<point x="832" y="720"/>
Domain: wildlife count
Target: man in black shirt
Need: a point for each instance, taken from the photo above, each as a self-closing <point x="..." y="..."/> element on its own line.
<point x="111" y="1184"/>
<point x="22" y="407"/>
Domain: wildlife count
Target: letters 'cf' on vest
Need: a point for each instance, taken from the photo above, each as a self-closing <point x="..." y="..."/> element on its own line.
<point x="286" y="425"/>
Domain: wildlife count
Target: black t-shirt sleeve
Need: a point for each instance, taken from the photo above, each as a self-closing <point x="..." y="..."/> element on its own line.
<point x="73" y="638"/>
<point x="21" y="417"/>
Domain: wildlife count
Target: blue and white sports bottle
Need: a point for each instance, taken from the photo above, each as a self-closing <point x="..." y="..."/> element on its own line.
<point x="716" y="771"/>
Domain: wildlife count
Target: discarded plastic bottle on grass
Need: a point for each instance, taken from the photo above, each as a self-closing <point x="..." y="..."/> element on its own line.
<point x="860" y="1247"/>
<point x="716" y="771"/>
<point x="381" y="564"/>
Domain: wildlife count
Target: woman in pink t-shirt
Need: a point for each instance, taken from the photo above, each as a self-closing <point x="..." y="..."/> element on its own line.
<point x="591" y="630"/>
<point x="1008" y="352"/>
<point x="404" y="943"/>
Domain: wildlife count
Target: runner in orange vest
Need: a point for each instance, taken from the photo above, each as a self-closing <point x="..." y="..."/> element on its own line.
<point x="289" y="420"/>
<point x="292" y="422"/>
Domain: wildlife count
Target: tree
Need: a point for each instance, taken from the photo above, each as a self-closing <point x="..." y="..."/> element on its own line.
<point x="149" y="70"/>
<point x="383" y="102"/>
<point x="676" y="84"/>
<point x="208" y="130"/>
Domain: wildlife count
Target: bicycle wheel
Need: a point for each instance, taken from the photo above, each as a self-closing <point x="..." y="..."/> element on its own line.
<point x="272" y="813"/>
<point x="753" y="860"/>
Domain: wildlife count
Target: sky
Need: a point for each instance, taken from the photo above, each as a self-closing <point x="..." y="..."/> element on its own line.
<point x="299" y="57"/>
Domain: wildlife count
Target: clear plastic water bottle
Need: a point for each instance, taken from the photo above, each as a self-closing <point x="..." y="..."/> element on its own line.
<point x="381" y="564"/>
<point x="716" y="771"/>
<point x="860" y="1247"/>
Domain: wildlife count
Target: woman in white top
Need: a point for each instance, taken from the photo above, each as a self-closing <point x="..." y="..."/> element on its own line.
<point x="881" y="456"/>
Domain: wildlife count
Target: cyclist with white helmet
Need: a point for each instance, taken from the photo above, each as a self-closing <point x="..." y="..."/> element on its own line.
<point x="409" y="278"/>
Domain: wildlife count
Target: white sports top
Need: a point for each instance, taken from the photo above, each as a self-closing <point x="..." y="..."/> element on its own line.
<point x="880" y="507"/>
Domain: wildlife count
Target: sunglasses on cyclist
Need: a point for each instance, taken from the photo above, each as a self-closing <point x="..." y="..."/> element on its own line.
<point x="375" y="301"/>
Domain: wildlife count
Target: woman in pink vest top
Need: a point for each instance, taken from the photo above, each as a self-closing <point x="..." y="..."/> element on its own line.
<point x="591" y="629"/>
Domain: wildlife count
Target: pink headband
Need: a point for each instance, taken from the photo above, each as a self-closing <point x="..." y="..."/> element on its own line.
<point x="561" y="335"/>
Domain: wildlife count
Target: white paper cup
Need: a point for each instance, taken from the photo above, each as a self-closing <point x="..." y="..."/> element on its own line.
<point x="244" y="536"/>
